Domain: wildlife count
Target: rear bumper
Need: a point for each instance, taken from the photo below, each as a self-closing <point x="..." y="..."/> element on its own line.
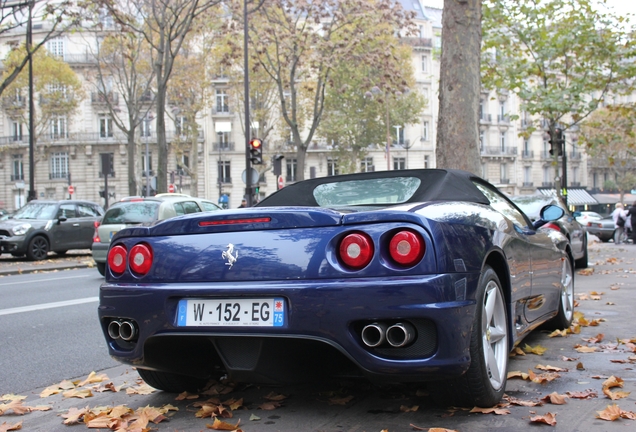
<point x="100" y="251"/>
<point x="319" y="315"/>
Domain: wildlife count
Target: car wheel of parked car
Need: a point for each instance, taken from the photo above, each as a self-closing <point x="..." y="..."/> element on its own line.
<point x="172" y="383"/>
<point x="484" y="383"/>
<point x="101" y="268"/>
<point x="38" y="248"/>
<point x="563" y="319"/>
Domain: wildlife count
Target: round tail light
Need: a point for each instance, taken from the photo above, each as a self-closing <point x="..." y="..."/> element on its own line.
<point x="117" y="259"/>
<point x="356" y="250"/>
<point x="407" y="248"/>
<point x="140" y="258"/>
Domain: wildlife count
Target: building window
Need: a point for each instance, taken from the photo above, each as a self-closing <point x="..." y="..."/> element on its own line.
<point x="503" y="173"/>
<point x="481" y="141"/>
<point x="183" y="164"/>
<point x="16" y="131"/>
<point x="426" y="162"/>
<point x="105" y="127"/>
<point x="575" y="176"/>
<point x="17" y="172"/>
<point x="484" y="171"/>
<point x="146" y="130"/>
<point x="503" y="141"/>
<point x="222" y="101"/>
<point x="366" y="165"/>
<point x="292" y="166"/>
<point x="59" y="165"/>
<point x="332" y="167"/>
<point x="55" y="47"/>
<point x="547" y="175"/>
<point x="58" y="128"/>
<point x="425" y="130"/>
<point x="146" y="163"/>
<point x="527" y="175"/>
<point x="223" y="168"/>
<point x="110" y="161"/>
<point x="424" y="63"/>
<point x="399" y="163"/>
<point x="223" y="140"/>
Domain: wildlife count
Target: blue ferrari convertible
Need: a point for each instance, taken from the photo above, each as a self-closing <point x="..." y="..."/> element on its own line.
<point x="398" y="276"/>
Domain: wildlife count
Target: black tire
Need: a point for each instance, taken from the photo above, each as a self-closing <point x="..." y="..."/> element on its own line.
<point x="581" y="263"/>
<point x="60" y="253"/>
<point x="563" y="319"/>
<point x="484" y="382"/>
<point x="38" y="249"/>
<point x="101" y="268"/>
<point x="172" y="383"/>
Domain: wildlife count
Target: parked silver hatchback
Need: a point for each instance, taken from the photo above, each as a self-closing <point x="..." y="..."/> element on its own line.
<point x="133" y="211"/>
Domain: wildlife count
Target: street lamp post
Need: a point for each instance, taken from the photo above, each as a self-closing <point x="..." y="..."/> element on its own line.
<point x="147" y="132"/>
<point x="29" y="42"/>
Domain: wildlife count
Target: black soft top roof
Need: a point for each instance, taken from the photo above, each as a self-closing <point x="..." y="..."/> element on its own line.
<point x="436" y="185"/>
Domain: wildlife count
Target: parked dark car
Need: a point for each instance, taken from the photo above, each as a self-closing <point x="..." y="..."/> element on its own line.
<point x="602" y="228"/>
<point x="411" y="275"/>
<point x="41" y="227"/>
<point x="139" y="211"/>
<point x="567" y="225"/>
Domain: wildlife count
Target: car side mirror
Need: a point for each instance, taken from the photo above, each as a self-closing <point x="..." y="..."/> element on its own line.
<point x="61" y="219"/>
<point x="547" y="214"/>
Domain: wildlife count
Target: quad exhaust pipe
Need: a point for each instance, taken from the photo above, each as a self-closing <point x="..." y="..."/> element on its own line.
<point x="397" y="335"/>
<point x="122" y="329"/>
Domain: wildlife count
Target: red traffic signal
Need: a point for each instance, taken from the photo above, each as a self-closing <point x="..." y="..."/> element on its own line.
<point x="256" y="151"/>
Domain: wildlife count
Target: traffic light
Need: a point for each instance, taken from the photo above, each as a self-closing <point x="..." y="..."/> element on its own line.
<point x="557" y="142"/>
<point x="256" y="151"/>
<point x="277" y="164"/>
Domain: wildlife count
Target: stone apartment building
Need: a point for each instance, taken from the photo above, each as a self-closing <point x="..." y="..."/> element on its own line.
<point x="78" y="144"/>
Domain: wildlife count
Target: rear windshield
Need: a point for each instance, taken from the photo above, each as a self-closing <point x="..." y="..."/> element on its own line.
<point x="384" y="191"/>
<point x="138" y="212"/>
<point x="35" y="210"/>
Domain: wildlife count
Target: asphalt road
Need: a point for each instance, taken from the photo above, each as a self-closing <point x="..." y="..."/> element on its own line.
<point x="606" y="298"/>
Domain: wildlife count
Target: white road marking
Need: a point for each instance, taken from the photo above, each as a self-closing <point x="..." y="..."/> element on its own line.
<point x="41" y="280"/>
<point x="48" y="305"/>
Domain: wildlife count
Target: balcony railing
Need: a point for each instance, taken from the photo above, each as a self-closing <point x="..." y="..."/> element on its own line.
<point x="575" y="184"/>
<point x="89" y="137"/>
<point x="575" y="155"/>
<point x="527" y="154"/>
<point x="58" y="175"/>
<point x="101" y="98"/>
<point x="503" y="118"/>
<point x="499" y="151"/>
<point x="527" y="184"/>
<point x="223" y="146"/>
<point x="224" y="180"/>
<point x="547" y="184"/>
<point x="504" y="181"/>
<point x="222" y="110"/>
<point x="485" y="118"/>
<point x="15" y="177"/>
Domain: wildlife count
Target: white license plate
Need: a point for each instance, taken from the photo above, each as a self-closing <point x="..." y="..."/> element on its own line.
<point x="231" y="312"/>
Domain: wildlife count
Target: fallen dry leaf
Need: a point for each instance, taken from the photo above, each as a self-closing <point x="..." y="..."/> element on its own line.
<point x="585" y="349"/>
<point x="340" y="400"/>
<point x="6" y="427"/>
<point x="614" y="412"/>
<point x="615" y="395"/>
<point x="538" y="349"/>
<point x="275" y="397"/>
<point x="221" y="425"/>
<point x="613" y="381"/>
<point x="74" y="415"/>
<point x="517" y="374"/>
<point x="404" y="408"/>
<point x="93" y="378"/>
<point x="551" y="368"/>
<point x="269" y="406"/>
<point x="562" y="333"/>
<point x="587" y="394"/>
<point x="548" y="418"/>
<point x="78" y="393"/>
<point x="494" y="410"/>
<point x="555" y="399"/>
<point x="142" y="389"/>
<point x="586" y="272"/>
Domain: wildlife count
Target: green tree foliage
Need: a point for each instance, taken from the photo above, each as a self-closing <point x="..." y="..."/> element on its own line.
<point x="58" y="87"/>
<point x="57" y="17"/>
<point x="360" y="114"/>
<point x="561" y="57"/>
<point x="610" y="141"/>
<point x="299" y="44"/>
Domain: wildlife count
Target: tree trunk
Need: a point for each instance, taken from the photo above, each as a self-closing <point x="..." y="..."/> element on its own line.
<point x="131" y="146"/>
<point x="459" y="87"/>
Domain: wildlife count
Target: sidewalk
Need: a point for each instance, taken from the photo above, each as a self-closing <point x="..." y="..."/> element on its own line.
<point x="80" y="258"/>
